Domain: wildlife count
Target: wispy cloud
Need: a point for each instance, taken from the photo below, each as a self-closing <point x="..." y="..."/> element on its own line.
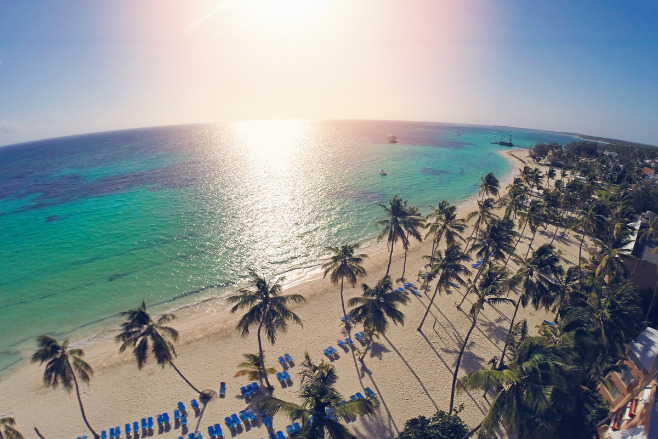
<point x="9" y="127"/>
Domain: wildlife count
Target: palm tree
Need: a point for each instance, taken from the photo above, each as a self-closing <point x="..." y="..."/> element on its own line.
<point x="566" y="284"/>
<point x="393" y="226"/>
<point x="319" y="398"/>
<point x="411" y="223"/>
<point x="489" y="185"/>
<point x="484" y="215"/>
<point x="589" y="221"/>
<point x="549" y="175"/>
<point x="493" y="243"/>
<point x="8" y="430"/>
<point x="489" y="291"/>
<point x="344" y="264"/>
<point x="517" y="195"/>
<point x="445" y="222"/>
<point x="62" y="367"/>
<point x="449" y="269"/>
<point x="375" y="307"/>
<point x="525" y="390"/>
<point x="534" y="276"/>
<point x="535" y="218"/>
<point x="266" y="308"/>
<point x="253" y="367"/>
<point x="145" y="335"/>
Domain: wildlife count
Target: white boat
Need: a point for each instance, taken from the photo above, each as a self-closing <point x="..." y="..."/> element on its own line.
<point x="392" y="139"/>
<point x="382" y="172"/>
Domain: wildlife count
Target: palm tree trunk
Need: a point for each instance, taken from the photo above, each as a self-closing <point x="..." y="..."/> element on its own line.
<point x="580" y="253"/>
<point x="459" y="360"/>
<point x="509" y="333"/>
<point x="530" y="245"/>
<point x="38" y="433"/>
<point x="390" y="258"/>
<point x="476" y="228"/>
<point x="436" y="290"/>
<point x="342" y="301"/>
<point x="371" y="339"/>
<point x="477" y="276"/>
<point x="655" y="289"/>
<point x="517" y="244"/>
<point x="82" y="409"/>
<point x="557" y="227"/>
<point x="404" y="266"/>
<point x="262" y="358"/>
<point x="171" y="363"/>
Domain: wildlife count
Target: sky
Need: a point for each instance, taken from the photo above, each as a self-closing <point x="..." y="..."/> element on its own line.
<point x="71" y="67"/>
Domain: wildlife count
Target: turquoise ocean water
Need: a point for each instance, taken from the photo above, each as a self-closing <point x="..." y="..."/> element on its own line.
<point x="91" y="225"/>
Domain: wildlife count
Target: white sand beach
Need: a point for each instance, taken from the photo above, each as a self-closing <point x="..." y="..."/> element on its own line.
<point x="410" y="371"/>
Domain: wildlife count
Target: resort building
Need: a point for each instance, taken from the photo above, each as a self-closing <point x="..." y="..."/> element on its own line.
<point x="632" y="394"/>
<point x="648" y="172"/>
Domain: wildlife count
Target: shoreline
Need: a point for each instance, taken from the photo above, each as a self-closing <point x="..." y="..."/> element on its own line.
<point x="210" y="348"/>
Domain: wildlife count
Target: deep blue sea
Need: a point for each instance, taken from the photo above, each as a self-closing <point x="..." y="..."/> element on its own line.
<point x="90" y="225"/>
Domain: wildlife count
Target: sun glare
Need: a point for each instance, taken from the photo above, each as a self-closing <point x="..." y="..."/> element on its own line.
<point x="282" y="14"/>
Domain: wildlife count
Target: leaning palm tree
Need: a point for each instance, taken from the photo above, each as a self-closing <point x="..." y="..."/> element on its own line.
<point x="145" y="335"/>
<point x="493" y="284"/>
<point x="525" y="390"/>
<point x="535" y="276"/>
<point x="9" y="430"/>
<point x="412" y="222"/>
<point x="62" y="367"/>
<point x="266" y="308"/>
<point x="344" y="264"/>
<point x="449" y="268"/>
<point x="445" y="223"/>
<point x="489" y="185"/>
<point x="493" y="243"/>
<point x="550" y="174"/>
<point x="375" y="307"/>
<point x="321" y="410"/>
<point x="253" y="367"/>
<point x="589" y="221"/>
<point x="393" y="226"/>
<point x="484" y="216"/>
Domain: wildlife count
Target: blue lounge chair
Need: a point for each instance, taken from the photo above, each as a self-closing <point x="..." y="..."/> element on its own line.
<point x="279" y="435"/>
<point x="127" y="429"/>
<point x="416" y="293"/>
<point x="111" y="433"/>
<point x="244" y="416"/>
<point x="143" y="423"/>
<point x="165" y="417"/>
<point x="183" y="420"/>
<point x="197" y="435"/>
<point x="454" y="284"/>
<point x="370" y="393"/>
<point x="296" y="426"/>
<point x="150" y="422"/>
<point x="282" y="361"/>
<point x="358" y="336"/>
<point x="222" y="389"/>
<point x="190" y="436"/>
<point x="229" y="422"/>
<point x="345" y="319"/>
<point x="160" y="420"/>
<point x="266" y="420"/>
<point x="211" y="431"/>
<point x="236" y="420"/>
<point x="348" y="341"/>
<point x="194" y="404"/>
<point x="288" y="358"/>
<point x="286" y="375"/>
<point x="332" y="349"/>
<point x="176" y="414"/>
<point x="353" y="397"/>
<point x="399" y="290"/>
<point x="251" y="414"/>
<point x="135" y="427"/>
<point x="254" y="387"/>
<point x="103" y="434"/>
<point x="279" y="375"/>
<point x="341" y="343"/>
<point x="244" y="391"/>
<point x="181" y="406"/>
<point x="291" y="430"/>
<point x="250" y="389"/>
<point x="359" y="395"/>
<point x="218" y="430"/>
<point x="327" y="352"/>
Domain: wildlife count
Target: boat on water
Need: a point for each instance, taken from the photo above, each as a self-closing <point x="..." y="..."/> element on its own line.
<point x="392" y="139"/>
<point x="382" y="172"/>
<point x="503" y="142"/>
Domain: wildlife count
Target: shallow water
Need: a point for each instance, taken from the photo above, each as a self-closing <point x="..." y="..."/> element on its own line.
<point x="91" y="225"/>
